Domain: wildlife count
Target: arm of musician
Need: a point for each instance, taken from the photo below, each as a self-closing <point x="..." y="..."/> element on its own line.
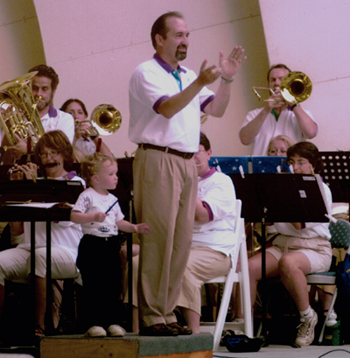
<point x="228" y="68"/>
<point x="308" y="127"/>
<point x="126" y="226"/>
<point x="30" y="170"/>
<point x="174" y="104"/>
<point x="20" y="148"/>
<point x="248" y="133"/>
<point x="16" y="228"/>
<point x="201" y="214"/>
<point x="83" y="218"/>
<point x="298" y="226"/>
<point x="104" y="148"/>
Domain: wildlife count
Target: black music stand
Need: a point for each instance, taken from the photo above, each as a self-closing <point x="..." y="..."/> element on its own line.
<point x="124" y="194"/>
<point x="336" y="174"/>
<point x="278" y="198"/>
<point x="42" y="191"/>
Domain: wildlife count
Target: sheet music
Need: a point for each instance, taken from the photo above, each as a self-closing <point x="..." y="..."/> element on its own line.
<point x="33" y="205"/>
<point x="320" y="185"/>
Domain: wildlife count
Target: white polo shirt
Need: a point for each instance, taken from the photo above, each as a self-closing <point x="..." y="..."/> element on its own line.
<point x="287" y="124"/>
<point x="59" y="120"/>
<point x="152" y="82"/>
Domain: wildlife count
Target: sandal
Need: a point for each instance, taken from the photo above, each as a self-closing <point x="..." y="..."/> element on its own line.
<point x="39" y="332"/>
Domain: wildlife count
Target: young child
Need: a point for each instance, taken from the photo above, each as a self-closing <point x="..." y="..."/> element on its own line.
<point x="98" y="260"/>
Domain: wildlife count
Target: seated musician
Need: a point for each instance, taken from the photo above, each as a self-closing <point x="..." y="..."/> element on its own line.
<point x="213" y="236"/>
<point x="279" y="145"/>
<point x="298" y="250"/>
<point x="53" y="152"/>
<point x="44" y="86"/>
<point x="86" y="143"/>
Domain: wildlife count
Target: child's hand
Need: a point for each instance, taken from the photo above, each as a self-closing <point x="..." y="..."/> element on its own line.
<point x="100" y="217"/>
<point x="142" y="228"/>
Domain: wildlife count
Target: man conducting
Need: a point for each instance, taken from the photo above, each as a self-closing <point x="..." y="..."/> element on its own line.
<point x="165" y="102"/>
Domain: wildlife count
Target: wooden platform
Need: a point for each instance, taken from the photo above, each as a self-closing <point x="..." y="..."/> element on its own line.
<point x="129" y="346"/>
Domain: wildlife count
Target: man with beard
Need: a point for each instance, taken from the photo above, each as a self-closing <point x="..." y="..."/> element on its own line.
<point x="165" y="103"/>
<point x="44" y="85"/>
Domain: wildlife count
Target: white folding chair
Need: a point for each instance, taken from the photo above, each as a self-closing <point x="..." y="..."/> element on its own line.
<point x="340" y="231"/>
<point x="216" y="328"/>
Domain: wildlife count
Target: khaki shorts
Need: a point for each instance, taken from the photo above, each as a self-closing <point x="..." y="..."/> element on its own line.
<point x="317" y="250"/>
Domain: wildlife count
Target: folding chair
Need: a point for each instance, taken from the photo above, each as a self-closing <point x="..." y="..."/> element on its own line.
<point x="340" y="231"/>
<point x="216" y="328"/>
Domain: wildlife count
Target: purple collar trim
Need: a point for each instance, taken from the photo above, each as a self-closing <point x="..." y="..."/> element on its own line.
<point x="165" y="65"/>
<point x="52" y="111"/>
<point x="70" y="175"/>
<point x="208" y="173"/>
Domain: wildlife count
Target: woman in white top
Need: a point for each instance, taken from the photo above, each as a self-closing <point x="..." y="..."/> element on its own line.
<point x="54" y="153"/>
<point x="299" y="249"/>
<point x="85" y="143"/>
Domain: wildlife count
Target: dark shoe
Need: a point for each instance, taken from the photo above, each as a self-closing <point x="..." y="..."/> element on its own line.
<point x="183" y="331"/>
<point x="158" y="330"/>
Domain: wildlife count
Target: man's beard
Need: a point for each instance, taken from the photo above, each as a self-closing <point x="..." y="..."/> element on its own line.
<point x="180" y="56"/>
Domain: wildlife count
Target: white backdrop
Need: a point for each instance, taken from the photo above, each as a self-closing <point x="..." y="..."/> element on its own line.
<point x="95" y="45"/>
<point x="313" y="36"/>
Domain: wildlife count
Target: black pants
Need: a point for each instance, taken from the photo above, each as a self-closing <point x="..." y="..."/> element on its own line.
<point x="100" y="266"/>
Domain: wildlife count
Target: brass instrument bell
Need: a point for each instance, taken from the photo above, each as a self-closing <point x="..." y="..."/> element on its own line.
<point x="295" y="87"/>
<point x="106" y="119"/>
<point x="18" y="112"/>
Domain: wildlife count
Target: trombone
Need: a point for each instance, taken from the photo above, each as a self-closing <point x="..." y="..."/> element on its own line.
<point x="105" y="120"/>
<point x="296" y="87"/>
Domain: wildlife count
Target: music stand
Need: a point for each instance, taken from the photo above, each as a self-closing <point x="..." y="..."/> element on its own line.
<point x="279" y="198"/>
<point x="124" y="193"/>
<point x="41" y="191"/>
<point x="266" y="164"/>
<point x="229" y="164"/>
<point x="336" y="174"/>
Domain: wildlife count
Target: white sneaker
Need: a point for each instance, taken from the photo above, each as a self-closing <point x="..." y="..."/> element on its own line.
<point x="96" y="331"/>
<point x="115" y="331"/>
<point x="306" y="331"/>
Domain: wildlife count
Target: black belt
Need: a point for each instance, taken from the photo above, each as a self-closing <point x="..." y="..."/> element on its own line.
<point x="184" y="155"/>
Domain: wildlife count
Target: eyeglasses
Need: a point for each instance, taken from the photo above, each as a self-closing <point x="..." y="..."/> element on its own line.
<point x="200" y="151"/>
<point x="52" y="154"/>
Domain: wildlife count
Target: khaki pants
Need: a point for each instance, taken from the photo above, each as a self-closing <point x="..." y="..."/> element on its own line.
<point x="165" y="191"/>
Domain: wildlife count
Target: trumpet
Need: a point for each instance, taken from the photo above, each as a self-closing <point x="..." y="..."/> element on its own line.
<point x="295" y="88"/>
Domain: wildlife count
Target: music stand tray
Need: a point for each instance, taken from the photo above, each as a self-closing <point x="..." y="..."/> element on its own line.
<point x="229" y="164"/>
<point x="268" y="165"/>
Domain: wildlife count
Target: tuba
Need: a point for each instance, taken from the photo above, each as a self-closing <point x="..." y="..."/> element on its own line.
<point x="105" y="119"/>
<point x="296" y="87"/>
<point x="18" y="112"/>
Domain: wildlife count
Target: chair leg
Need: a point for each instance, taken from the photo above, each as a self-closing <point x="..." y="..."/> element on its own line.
<point x="330" y="309"/>
<point x="225" y="301"/>
<point x="245" y="289"/>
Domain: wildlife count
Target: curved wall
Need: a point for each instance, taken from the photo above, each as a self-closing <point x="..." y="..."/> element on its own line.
<point x="95" y="45"/>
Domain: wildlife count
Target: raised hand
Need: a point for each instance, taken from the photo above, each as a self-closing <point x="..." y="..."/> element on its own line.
<point x="230" y="66"/>
<point x="208" y="75"/>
